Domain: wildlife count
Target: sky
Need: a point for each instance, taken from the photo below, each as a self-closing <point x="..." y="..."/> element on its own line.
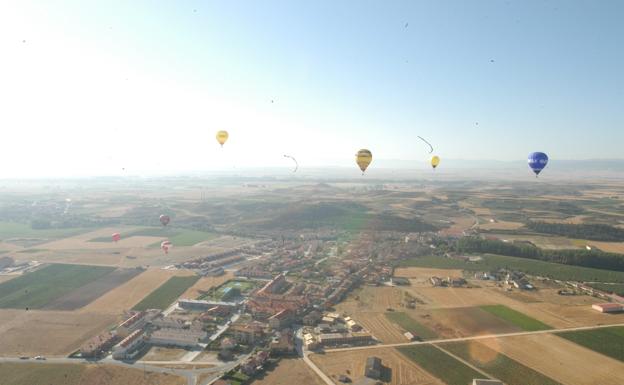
<point x="105" y="88"/>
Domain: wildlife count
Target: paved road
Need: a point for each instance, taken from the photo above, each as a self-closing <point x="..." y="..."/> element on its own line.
<point x="480" y="337"/>
<point x="304" y="355"/>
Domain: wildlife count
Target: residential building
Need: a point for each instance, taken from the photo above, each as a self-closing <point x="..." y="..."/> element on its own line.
<point x="282" y="319"/>
<point x="136" y="321"/>
<point x="129" y="346"/>
<point x="247" y="333"/>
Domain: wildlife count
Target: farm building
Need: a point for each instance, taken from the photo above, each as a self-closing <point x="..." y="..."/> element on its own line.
<point x="608" y="307"/>
<point x="373" y="368"/>
<point x="400" y="281"/>
<point x="477" y="381"/>
<point x="334" y="339"/>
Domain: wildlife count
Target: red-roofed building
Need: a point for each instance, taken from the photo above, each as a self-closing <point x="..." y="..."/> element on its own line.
<point x="129" y="346"/>
<point x="608" y="307"/>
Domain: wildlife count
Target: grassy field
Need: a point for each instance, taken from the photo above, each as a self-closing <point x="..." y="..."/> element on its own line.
<point x="168" y="292"/>
<point x="515" y="318"/>
<point x="529" y="266"/>
<point x="218" y="293"/>
<point x="411" y="325"/>
<point x="35" y="290"/>
<point x="509" y="371"/>
<point x="611" y="288"/>
<point x="608" y="341"/>
<point x="440" y="364"/>
<point x="10" y="230"/>
<point x="179" y="237"/>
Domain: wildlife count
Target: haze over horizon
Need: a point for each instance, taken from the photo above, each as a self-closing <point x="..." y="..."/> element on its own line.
<point x="116" y="88"/>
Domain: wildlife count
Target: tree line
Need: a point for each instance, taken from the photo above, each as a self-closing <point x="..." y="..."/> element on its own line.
<point x="578" y="257"/>
<point x="594" y="232"/>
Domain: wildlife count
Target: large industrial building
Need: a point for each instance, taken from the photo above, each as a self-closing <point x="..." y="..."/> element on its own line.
<point x="184" y="338"/>
<point x="608" y="307"/>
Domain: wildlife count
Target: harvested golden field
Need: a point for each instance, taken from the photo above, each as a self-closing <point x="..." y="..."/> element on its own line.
<point x="500" y="225"/>
<point x="52" y="333"/>
<point x="464" y="322"/>
<point x="4" y="278"/>
<point x="439" y="297"/>
<point x="560" y="359"/>
<point x="371" y="299"/>
<point x="611" y="247"/>
<point x="287" y="372"/>
<point x="156" y="353"/>
<point x="124" y="297"/>
<point x="459" y="225"/>
<point x="75" y="374"/>
<point x="205" y="283"/>
<point x="402" y="370"/>
<point x="380" y="327"/>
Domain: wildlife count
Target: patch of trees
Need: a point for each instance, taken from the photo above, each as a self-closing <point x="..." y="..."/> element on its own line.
<point x="595" y="232"/>
<point x="577" y="257"/>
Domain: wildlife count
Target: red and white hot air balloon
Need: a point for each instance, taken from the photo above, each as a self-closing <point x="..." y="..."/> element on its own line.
<point x="165" y="245"/>
<point x="164" y="219"/>
<point x="116" y="237"/>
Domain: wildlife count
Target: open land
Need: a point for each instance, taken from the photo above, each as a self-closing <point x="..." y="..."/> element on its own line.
<point x="289" y="371"/>
<point x="168" y="292"/>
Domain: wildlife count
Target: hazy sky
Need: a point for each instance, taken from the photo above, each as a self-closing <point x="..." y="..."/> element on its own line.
<point x="93" y="87"/>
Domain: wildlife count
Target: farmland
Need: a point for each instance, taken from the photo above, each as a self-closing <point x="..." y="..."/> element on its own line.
<point x="400" y="369"/>
<point x="529" y="266"/>
<point x="9" y="230"/>
<point x="409" y="324"/>
<point x="466" y="321"/>
<point x="179" y="237"/>
<point x="608" y="341"/>
<point x="497" y="365"/>
<point x="39" y="288"/>
<point x="168" y="292"/>
<point x="74" y="374"/>
<point x="289" y="371"/>
<point x="515" y="318"/>
<point x="440" y="364"/>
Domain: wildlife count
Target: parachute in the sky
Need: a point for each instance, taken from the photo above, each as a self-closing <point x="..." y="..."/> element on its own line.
<point x="164" y="219"/>
<point x="537" y="162"/>
<point x="363" y="158"/>
<point x="294" y="160"/>
<point x="435" y="161"/>
<point x="116" y="237"/>
<point x="222" y="137"/>
<point x="165" y="245"/>
<point x="429" y="144"/>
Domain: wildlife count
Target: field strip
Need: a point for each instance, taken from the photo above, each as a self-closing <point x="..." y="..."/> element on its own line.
<point x="481" y="337"/>
<point x="468" y="364"/>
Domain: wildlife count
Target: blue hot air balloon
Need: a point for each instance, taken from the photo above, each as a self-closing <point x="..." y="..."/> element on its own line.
<point x="537" y="162"/>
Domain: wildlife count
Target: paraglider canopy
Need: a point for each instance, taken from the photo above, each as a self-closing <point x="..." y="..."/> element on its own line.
<point x="165" y="245"/>
<point x="537" y="161"/>
<point x="222" y="137"/>
<point x="363" y="158"/>
<point x="435" y="161"/>
<point x="116" y="237"/>
<point x="294" y="160"/>
<point x="164" y="219"/>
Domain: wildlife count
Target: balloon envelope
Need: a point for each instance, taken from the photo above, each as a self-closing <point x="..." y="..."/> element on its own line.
<point x="537" y="161"/>
<point x="363" y="158"/>
<point x="222" y="137"/>
<point x="164" y="219"/>
<point x="435" y="161"/>
<point x="116" y="237"/>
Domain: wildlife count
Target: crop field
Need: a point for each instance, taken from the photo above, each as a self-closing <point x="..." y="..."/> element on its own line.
<point x="440" y="364"/>
<point x="75" y="374"/>
<point x="9" y="230"/>
<point x="559" y="359"/>
<point x="39" y="288"/>
<point x="178" y="236"/>
<point x="497" y="365"/>
<point x="167" y="293"/>
<point x="399" y="370"/>
<point x="529" y="266"/>
<point x="466" y="321"/>
<point x="92" y="290"/>
<point x="608" y="341"/>
<point x="380" y="326"/>
<point x="411" y="325"/>
<point x="52" y="333"/>
<point x="515" y="318"/>
<point x="287" y="372"/>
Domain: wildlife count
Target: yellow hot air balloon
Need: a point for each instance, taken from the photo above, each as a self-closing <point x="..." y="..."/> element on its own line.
<point x="363" y="158"/>
<point x="222" y="136"/>
<point x="435" y="161"/>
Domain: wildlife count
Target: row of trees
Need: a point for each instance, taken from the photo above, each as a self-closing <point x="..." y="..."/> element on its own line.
<point x="578" y="257"/>
<point x="595" y="232"/>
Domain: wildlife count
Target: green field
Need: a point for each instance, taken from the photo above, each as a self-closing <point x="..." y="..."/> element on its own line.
<point x="440" y="364"/>
<point x="37" y="289"/>
<point x="529" y="266"/>
<point x="217" y="293"/>
<point x="608" y="341"/>
<point x="411" y="325"/>
<point x="617" y="288"/>
<point x="167" y="293"/>
<point x="515" y="318"/>
<point x="177" y="236"/>
<point x="10" y="230"/>
<point x="498" y="365"/>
